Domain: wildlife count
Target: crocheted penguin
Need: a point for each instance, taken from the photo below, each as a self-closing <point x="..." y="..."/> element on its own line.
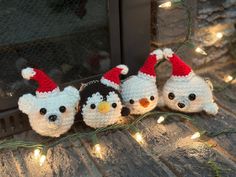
<point x="139" y="92"/>
<point x="185" y="91"/>
<point x="51" y="112"/>
<point x="100" y="102"/>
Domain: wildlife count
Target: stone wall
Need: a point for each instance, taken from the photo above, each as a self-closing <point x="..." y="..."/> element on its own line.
<point x="209" y="17"/>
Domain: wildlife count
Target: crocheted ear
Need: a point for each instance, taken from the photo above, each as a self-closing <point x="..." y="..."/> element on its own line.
<point x="209" y="83"/>
<point x="26" y="103"/>
<point x="72" y="92"/>
<point x="211" y="108"/>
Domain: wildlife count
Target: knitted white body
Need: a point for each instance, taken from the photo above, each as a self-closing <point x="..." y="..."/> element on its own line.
<point x="96" y="119"/>
<point x="137" y="88"/>
<point x="182" y="87"/>
<point x="31" y="105"/>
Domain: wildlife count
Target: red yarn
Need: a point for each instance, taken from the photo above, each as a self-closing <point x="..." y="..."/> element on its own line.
<point x="179" y="68"/>
<point x="113" y="75"/>
<point x="45" y="83"/>
<point x="149" y="66"/>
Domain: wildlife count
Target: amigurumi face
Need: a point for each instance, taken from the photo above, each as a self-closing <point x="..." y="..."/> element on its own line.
<point x="189" y="95"/>
<point x="139" y="92"/>
<point x="100" y="105"/>
<point x="52" y="115"/>
<point x="139" y="95"/>
<point x="100" y="102"/>
<point x="185" y="91"/>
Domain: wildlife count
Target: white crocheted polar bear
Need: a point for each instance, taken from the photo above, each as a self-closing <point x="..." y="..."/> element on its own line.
<point x="185" y="91"/>
<point x="51" y="112"/>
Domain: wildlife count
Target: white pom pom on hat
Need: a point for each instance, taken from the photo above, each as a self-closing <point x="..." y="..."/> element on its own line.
<point x="179" y="68"/>
<point x="147" y="71"/>
<point x="28" y="73"/>
<point x="167" y="53"/>
<point x="158" y="53"/>
<point x="112" y="77"/>
<point x="124" y="68"/>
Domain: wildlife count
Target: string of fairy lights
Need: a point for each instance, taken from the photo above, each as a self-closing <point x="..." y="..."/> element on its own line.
<point x="219" y="35"/>
<point x="41" y="148"/>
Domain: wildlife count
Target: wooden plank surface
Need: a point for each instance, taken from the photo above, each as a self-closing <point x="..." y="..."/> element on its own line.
<point x="8" y="166"/>
<point x="194" y="160"/>
<point x="65" y="159"/>
<point x="225" y="96"/>
<point x="123" y="156"/>
<point x="223" y="120"/>
<point x="161" y="138"/>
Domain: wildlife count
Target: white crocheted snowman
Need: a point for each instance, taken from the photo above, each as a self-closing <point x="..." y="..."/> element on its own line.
<point x="100" y="102"/>
<point x="51" y="112"/>
<point x="139" y="92"/>
<point x="185" y="91"/>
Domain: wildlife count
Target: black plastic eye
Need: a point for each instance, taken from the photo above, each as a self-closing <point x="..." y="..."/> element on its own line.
<point x="131" y="101"/>
<point x="192" y="97"/>
<point x="43" y="111"/>
<point x="152" y="98"/>
<point x="62" y="109"/>
<point x="92" y="106"/>
<point x="114" y="105"/>
<point x="171" y="96"/>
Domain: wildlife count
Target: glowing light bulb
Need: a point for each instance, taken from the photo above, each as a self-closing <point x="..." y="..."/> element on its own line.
<point x="138" y="137"/>
<point x="228" y="78"/>
<point x="97" y="151"/>
<point x="200" y="50"/>
<point x="42" y="160"/>
<point x="195" y="136"/>
<point x="219" y="35"/>
<point x="166" y="5"/>
<point x="37" y="153"/>
<point x="97" y="148"/>
<point x="161" y="119"/>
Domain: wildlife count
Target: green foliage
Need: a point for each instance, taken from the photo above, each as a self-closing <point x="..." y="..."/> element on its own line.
<point x="214" y="166"/>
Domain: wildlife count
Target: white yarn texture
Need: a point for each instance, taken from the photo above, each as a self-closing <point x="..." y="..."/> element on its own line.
<point x="137" y="88"/>
<point x="95" y="119"/>
<point x="31" y="105"/>
<point x="182" y="87"/>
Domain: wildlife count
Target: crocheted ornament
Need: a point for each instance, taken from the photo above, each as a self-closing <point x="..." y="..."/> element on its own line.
<point x="100" y="102"/>
<point x="139" y="92"/>
<point x="185" y="91"/>
<point x="51" y="112"/>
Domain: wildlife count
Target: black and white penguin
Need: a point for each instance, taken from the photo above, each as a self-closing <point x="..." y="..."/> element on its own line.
<point x="100" y="102"/>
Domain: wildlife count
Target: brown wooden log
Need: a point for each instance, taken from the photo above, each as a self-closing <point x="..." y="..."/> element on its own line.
<point x="194" y="160"/>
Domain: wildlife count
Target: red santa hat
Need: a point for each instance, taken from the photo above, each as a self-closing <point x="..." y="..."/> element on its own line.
<point x="46" y="85"/>
<point x="147" y="71"/>
<point x="112" y="77"/>
<point x="179" y="68"/>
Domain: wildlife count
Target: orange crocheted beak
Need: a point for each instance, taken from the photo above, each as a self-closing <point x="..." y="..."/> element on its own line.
<point x="144" y="102"/>
<point x="104" y="107"/>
